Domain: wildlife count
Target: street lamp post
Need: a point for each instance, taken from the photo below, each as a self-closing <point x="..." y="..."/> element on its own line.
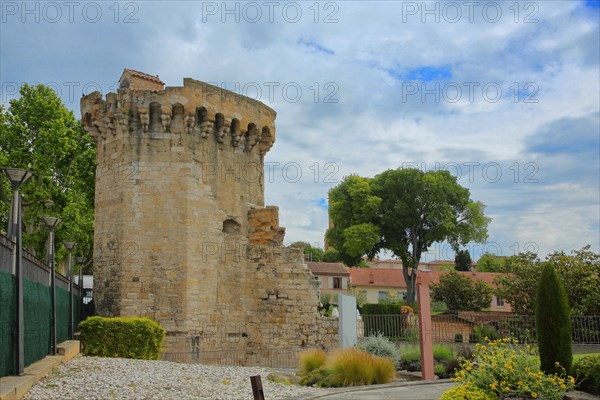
<point x="17" y="177"/>
<point x="81" y="261"/>
<point x="51" y="223"/>
<point x="70" y="246"/>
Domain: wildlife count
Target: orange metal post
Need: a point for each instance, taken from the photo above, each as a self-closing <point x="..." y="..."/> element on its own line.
<point x="425" y="327"/>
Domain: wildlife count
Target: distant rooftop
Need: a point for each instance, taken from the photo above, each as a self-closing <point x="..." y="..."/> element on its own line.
<point x="391" y="277"/>
<point x="325" y="268"/>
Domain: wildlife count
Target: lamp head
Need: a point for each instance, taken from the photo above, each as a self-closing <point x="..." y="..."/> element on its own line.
<point x="17" y="176"/>
<point x="51" y="222"/>
<point x="81" y="260"/>
<point x="70" y="246"/>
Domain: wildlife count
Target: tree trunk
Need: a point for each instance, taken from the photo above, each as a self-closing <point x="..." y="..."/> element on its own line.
<point x="411" y="281"/>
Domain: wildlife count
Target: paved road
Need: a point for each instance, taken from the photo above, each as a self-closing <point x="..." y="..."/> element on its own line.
<point x="387" y="392"/>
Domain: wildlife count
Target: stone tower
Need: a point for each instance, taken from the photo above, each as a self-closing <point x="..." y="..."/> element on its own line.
<point x="181" y="232"/>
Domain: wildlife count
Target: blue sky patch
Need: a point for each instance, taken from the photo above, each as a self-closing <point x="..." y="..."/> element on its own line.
<point x="592" y="4"/>
<point x="427" y="74"/>
<point x="323" y="203"/>
<point x="423" y="74"/>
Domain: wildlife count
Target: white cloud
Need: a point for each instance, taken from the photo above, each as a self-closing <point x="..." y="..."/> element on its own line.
<point x="374" y="125"/>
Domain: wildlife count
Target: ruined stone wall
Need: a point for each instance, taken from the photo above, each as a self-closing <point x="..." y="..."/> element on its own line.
<point x="181" y="233"/>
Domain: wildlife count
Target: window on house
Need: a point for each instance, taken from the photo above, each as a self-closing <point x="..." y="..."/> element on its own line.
<point x="401" y="295"/>
<point x="383" y="295"/>
<point x="337" y="282"/>
<point x="499" y="302"/>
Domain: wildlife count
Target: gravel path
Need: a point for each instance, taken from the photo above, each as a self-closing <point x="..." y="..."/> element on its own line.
<point x="119" y="378"/>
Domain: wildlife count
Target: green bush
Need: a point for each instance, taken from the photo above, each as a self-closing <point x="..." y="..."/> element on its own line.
<point x="482" y="332"/>
<point x="121" y="337"/>
<point x="411" y="353"/>
<point x="316" y="377"/>
<point x="380" y="346"/>
<point x="587" y="371"/>
<point x="553" y="323"/>
<point x="381" y="309"/>
<point x="466" y="392"/>
<point x="443" y="352"/>
<point x="440" y="371"/>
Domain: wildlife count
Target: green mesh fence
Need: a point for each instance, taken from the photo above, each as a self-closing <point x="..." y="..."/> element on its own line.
<point x="7" y="323"/>
<point x="37" y="318"/>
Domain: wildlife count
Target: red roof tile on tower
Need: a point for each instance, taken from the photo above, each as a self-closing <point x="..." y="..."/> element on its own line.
<point x="143" y="75"/>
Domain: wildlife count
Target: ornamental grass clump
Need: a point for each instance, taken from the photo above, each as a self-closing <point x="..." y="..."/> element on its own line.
<point x="351" y="367"/>
<point x="345" y="367"/>
<point x="505" y="369"/>
<point x="311" y="360"/>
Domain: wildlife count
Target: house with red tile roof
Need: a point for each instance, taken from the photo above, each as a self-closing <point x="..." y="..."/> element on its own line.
<point x="378" y="283"/>
<point x="333" y="277"/>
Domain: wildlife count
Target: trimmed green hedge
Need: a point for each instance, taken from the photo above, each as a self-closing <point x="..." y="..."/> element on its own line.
<point x="380" y="309"/>
<point x="122" y="337"/>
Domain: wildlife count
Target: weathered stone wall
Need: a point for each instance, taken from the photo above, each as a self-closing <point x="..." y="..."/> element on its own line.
<point x="181" y="233"/>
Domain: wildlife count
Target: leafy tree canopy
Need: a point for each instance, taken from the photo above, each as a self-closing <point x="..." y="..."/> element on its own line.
<point x="460" y="293"/>
<point x="331" y="255"/>
<point x="462" y="261"/>
<point x="310" y="253"/>
<point x="579" y="272"/>
<point x="492" y="263"/>
<point x="40" y="134"/>
<point x="404" y="211"/>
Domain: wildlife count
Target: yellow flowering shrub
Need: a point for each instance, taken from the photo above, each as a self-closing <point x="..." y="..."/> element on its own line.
<point x="466" y="392"/>
<point x="503" y="368"/>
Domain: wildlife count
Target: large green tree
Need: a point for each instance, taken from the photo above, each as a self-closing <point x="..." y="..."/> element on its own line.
<point x="460" y="293"/>
<point x="38" y="133"/>
<point x="519" y="287"/>
<point x="404" y="211"/>
<point x="579" y="272"/>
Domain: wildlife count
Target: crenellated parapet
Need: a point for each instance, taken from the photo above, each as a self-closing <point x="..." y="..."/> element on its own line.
<point x="197" y="110"/>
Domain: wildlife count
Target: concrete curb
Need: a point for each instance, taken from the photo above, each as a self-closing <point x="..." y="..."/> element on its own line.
<point x="16" y="387"/>
<point x="332" y="392"/>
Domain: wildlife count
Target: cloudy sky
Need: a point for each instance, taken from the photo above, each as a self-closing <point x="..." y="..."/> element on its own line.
<point x="503" y="94"/>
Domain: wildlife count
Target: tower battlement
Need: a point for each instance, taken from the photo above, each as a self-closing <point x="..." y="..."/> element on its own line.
<point x="196" y="109"/>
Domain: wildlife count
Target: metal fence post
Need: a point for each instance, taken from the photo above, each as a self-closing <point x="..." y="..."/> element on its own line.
<point x="257" y="389"/>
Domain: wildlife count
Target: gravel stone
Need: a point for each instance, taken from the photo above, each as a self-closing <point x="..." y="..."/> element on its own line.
<point x="97" y="378"/>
